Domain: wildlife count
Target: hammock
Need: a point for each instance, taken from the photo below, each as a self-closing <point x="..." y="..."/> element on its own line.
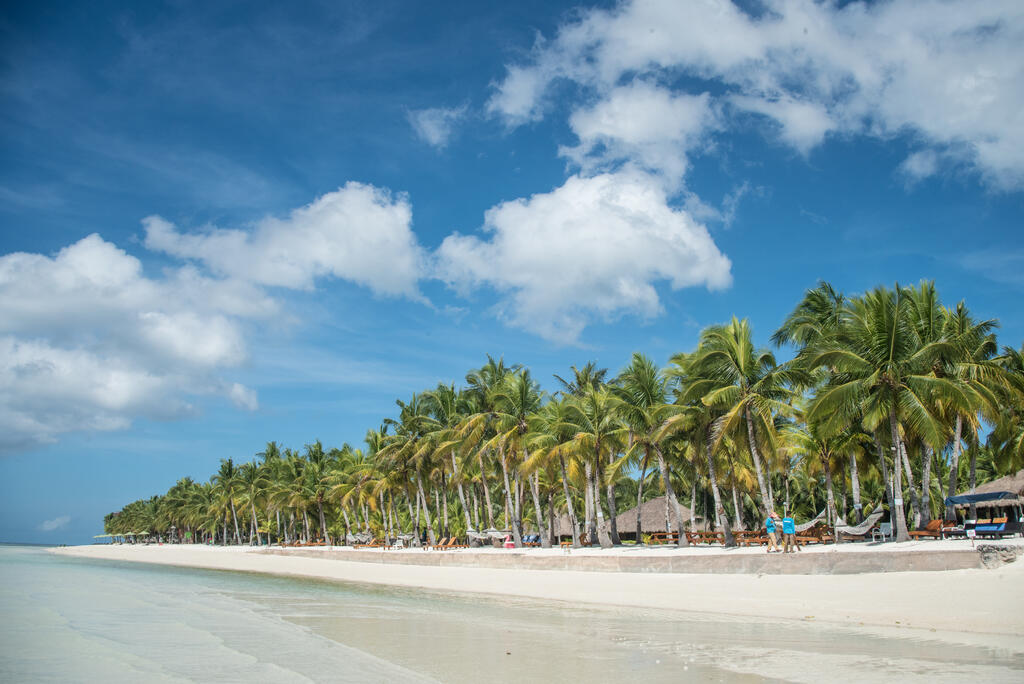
<point x="811" y="523"/>
<point x="863" y="528"/>
<point x="473" y="534"/>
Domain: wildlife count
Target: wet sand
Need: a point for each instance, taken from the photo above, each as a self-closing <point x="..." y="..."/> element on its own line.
<point x="968" y="606"/>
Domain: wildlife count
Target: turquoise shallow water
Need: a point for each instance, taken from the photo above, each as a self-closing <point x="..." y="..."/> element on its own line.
<point x="68" y="619"/>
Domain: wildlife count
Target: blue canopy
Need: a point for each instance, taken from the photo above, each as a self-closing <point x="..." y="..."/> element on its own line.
<point x="978" y="498"/>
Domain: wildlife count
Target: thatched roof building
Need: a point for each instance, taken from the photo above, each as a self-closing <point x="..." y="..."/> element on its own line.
<point x="1009" y="483"/>
<point x="652" y="518"/>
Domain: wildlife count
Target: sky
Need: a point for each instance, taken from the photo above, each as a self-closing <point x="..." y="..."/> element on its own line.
<point x="228" y="223"/>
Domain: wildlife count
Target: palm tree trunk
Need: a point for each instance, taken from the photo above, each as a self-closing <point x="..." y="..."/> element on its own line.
<point x="830" y="503"/>
<point x="926" y="474"/>
<point x="568" y="503"/>
<point x="693" y="501"/>
<point x="476" y="508"/>
<point x="551" y="517"/>
<point x="613" y="528"/>
<point x="516" y="538"/>
<point x="736" y="506"/>
<point x="255" y="527"/>
<point x="462" y="494"/>
<point x="416" y="530"/>
<point x="487" y="492"/>
<point x="897" y="488"/>
<point x="720" y="516"/>
<point x="640" y="491"/>
<point x="426" y="509"/>
<point x="588" y="503"/>
<point x="545" y="539"/>
<point x="886" y="482"/>
<point x="234" y="516"/>
<point x="954" y="465"/>
<point x="666" y="478"/>
<point x="305" y="525"/>
<point x="603" y="537"/>
<point x="915" y="504"/>
<point x="444" y="504"/>
<point x="348" y="525"/>
<point x="855" y="488"/>
<point x="323" y="523"/>
<point x="767" y="505"/>
<point x="974" y="480"/>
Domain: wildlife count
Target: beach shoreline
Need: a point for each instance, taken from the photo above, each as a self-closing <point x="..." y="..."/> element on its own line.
<point x="957" y="605"/>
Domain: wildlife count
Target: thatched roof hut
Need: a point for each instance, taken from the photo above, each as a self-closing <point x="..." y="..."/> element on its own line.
<point x="1009" y="483"/>
<point x="652" y="518"/>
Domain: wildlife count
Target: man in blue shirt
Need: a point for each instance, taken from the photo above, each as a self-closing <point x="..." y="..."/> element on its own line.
<point x="769" y="526"/>
<point x="789" y="534"/>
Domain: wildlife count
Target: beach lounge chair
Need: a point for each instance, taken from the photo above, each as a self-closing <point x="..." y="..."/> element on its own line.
<point x="373" y="544"/>
<point x="932" y="529"/>
<point x="997" y="527"/>
<point x="881" y="532"/>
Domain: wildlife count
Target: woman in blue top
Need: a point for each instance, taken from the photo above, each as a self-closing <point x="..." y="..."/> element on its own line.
<point x="789" y="533"/>
<point x="769" y="526"/>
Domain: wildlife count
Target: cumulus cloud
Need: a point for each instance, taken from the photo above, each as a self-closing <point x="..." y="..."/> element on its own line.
<point x="595" y="247"/>
<point x="950" y="72"/>
<point x="358" y="233"/>
<point x="89" y="341"/>
<point x="436" y="125"/>
<point x="920" y="165"/>
<point x="643" y="124"/>
<point x="55" y="524"/>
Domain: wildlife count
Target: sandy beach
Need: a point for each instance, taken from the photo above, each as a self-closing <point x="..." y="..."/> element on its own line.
<point x="963" y="605"/>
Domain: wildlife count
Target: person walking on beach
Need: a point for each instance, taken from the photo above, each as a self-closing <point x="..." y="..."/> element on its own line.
<point x="769" y="526"/>
<point x="789" y="533"/>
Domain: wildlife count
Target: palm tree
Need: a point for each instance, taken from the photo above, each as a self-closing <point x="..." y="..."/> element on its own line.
<point x="599" y="433"/>
<point x="696" y="421"/>
<point x="515" y="403"/>
<point x="641" y="388"/>
<point x="884" y="370"/>
<point x="228" y="484"/>
<point x="745" y="384"/>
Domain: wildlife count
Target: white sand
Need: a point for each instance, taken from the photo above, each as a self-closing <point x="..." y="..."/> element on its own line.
<point x="963" y="605"/>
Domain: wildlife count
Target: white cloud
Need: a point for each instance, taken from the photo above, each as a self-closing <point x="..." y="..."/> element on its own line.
<point x="55" y="524"/>
<point x="643" y="124"/>
<point x="949" y="72"/>
<point x="358" y="233"/>
<point x="802" y="125"/>
<point x="595" y="247"/>
<point x="920" y="164"/>
<point x="88" y="342"/>
<point x="436" y="125"/>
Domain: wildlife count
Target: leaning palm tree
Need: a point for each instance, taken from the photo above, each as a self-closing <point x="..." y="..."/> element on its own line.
<point x="745" y="385"/>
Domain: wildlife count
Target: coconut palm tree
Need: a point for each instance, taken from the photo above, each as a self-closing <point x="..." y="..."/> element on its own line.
<point x="884" y="370"/>
<point x="228" y="485"/>
<point x="746" y="385"/>
<point x="642" y="390"/>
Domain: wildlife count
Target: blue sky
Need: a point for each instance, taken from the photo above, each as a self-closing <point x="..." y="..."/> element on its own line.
<point x="225" y="225"/>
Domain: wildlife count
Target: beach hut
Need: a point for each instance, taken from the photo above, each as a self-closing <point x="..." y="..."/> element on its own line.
<point x="652" y="518"/>
<point x="1005" y="492"/>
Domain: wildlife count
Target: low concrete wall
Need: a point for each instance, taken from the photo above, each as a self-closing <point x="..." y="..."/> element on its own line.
<point x="838" y="563"/>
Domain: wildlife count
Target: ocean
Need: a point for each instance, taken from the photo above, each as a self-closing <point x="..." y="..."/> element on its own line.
<point x="70" y="619"/>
